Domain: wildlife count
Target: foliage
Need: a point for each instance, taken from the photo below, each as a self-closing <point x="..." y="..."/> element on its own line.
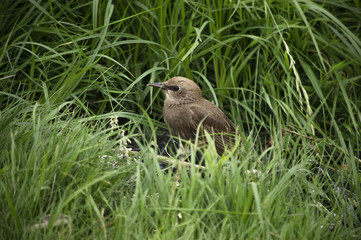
<point x="282" y="68"/>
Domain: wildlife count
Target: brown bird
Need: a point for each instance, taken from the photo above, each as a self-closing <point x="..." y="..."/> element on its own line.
<point x="185" y="108"/>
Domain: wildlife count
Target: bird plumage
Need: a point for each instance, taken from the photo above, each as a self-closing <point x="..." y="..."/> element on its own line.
<point x="185" y="109"/>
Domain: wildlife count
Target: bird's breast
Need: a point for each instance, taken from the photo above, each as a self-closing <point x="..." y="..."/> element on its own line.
<point x="179" y="120"/>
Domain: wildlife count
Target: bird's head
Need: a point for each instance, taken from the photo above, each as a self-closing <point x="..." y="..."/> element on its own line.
<point x="179" y="90"/>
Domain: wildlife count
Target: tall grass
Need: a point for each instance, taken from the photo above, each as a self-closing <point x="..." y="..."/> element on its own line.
<point x="73" y="92"/>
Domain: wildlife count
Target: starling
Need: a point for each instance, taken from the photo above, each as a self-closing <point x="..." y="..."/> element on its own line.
<point x="185" y="109"/>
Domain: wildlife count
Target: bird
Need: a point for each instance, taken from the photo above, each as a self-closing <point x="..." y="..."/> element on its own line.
<point x="185" y="109"/>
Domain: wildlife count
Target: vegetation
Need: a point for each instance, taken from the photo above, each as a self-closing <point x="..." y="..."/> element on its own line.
<point x="73" y="94"/>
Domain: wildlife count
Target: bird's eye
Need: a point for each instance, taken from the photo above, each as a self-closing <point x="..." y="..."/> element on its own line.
<point x="176" y="88"/>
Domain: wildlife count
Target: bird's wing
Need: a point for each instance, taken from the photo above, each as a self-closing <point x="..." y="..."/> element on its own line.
<point x="215" y="122"/>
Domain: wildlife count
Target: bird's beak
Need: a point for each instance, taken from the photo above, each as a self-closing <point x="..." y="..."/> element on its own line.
<point x="157" y="85"/>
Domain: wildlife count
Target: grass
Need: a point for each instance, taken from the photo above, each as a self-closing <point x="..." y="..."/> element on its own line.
<point x="73" y="94"/>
